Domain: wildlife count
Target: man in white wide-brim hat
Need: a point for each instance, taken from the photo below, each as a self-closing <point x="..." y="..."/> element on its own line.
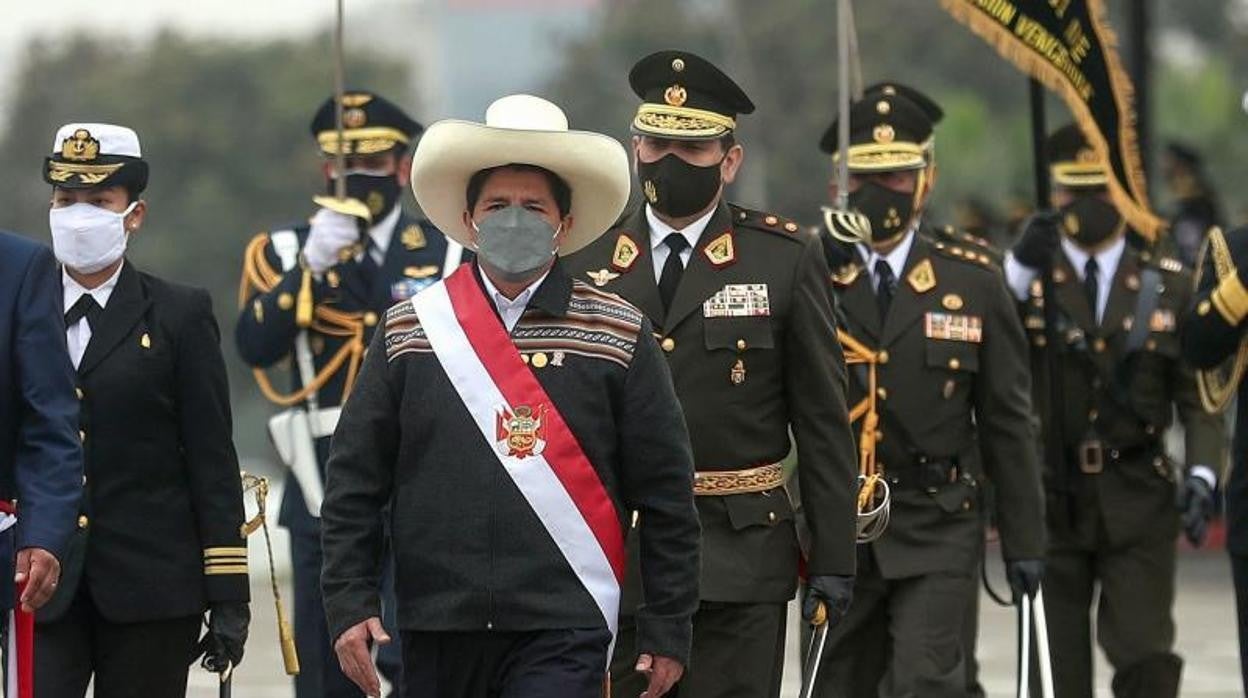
<point x="513" y="419"/>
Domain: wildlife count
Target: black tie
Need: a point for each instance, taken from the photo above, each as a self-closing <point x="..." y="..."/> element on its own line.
<point x="1090" y="286"/>
<point x="672" y="268"/>
<point x="885" y="284"/>
<point x="86" y="307"/>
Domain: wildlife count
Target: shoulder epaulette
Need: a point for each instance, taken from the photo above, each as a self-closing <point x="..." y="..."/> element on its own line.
<point x="1169" y="264"/>
<point x="964" y="253"/>
<point x="952" y="236"/>
<point x="258" y="271"/>
<point x="771" y="222"/>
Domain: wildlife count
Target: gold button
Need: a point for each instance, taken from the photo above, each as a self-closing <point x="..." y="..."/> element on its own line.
<point x="1093" y="415"/>
<point x="882" y="357"/>
<point x="1040" y="341"/>
<point x="740" y="345"/>
<point x="285" y="301"/>
<point x="1203" y="308"/>
<point x="668" y="344"/>
<point x="525" y="358"/>
<point x="78" y="392"/>
<point x="83" y="521"/>
<point x="771" y="516"/>
<point x="771" y="220"/>
<point x="1098" y="345"/>
<point x="881" y="393"/>
<point x="743" y="215"/>
<point x="955" y="364"/>
<point x="540" y="360"/>
<point x="370" y="319"/>
<point x="84" y="480"/>
<point x="791" y="227"/>
<point x="82" y="435"/>
<point x="966" y="505"/>
<point x="879" y="436"/>
<point x="1151" y="345"/>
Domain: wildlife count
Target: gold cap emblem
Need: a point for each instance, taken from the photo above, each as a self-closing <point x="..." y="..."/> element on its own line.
<point x="1087" y="156"/>
<point x="675" y="95"/>
<point x="678" y="64"/>
<point x="356" y="99"/>
<point x="354" y="118"/>
<point x="883" y="107"/>
<point x="884" y="133"/>
<point x="80" y="146"/>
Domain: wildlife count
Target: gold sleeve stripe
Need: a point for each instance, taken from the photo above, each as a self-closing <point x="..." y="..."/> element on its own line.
<point x="240" y="560"/>
<point x="235" y="569"/>
<point x="225" y="551"/>
<point x="1231" y="299"/>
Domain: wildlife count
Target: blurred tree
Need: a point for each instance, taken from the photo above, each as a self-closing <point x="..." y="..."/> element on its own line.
<point x="225" y="128"/>
<point x="783" y="54"/>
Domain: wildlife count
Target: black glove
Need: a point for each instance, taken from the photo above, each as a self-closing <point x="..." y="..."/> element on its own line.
<point x="1038" y="244"/>
<point x="834" y="591"/>
<point x="1024" y="577"/>
<point x="222" y="645"/>
<point x="1199" y="504"/>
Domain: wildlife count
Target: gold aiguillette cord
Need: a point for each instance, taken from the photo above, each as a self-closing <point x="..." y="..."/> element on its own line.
<point x="286" y="636"/>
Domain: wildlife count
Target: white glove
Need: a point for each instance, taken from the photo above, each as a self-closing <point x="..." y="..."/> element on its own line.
<point x="331" y="231"/>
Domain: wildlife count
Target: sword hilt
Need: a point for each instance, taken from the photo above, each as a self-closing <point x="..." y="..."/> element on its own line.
<point x="821" y="615"/>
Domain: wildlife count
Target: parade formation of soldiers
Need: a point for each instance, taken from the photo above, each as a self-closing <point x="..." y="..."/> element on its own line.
<point x="536" y="440"/>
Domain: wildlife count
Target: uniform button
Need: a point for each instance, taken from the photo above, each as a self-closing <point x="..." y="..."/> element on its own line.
<point x="540" y="360"/>
<point x="668" y="344"/>
<point x="285" y="301"/>
<point x="955" y="364"/>
<point x="78" y="392"/>
<point x="881" y="393"/>
<point x="82" y="436"/>
<point x="771" y="517"/>
<point x="771" y="220"/>
<point x="370" y="319"/>
<point x="84" y="480"/>
<point x="879" y="436"/>
<point x="83" y="521"/>
<point x="1150" y="430"/>
<point x="1040" y="341"/>
<point x="1150" y="345"/>
<point x="1098" y="345"/>
<point x="966" y="505"/>
<point x="740" y="345"/>
<point x="489" y="626"/>
<point x="1093" y="415"/>
<point x="882" y="357"/>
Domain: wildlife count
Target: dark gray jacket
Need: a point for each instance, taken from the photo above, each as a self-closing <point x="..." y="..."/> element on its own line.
<point x="470" y="552"/>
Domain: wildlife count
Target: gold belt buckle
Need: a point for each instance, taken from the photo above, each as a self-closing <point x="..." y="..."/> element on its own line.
<point x="1091" y="457"/>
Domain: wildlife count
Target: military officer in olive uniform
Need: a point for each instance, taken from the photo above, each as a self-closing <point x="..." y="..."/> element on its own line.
<point x="1213" y="333"/>
<point x="1113" y="515"/>
<point x="740" y="303"/>
<point x="313" y="293"/>
<point x="935" y="324"/>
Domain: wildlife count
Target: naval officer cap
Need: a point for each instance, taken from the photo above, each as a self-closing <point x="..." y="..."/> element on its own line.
<point x="685" y="97"/>
<point x="87" y="155"/>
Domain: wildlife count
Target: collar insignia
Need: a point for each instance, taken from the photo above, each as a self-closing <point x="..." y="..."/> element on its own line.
<point x="721" y="251"/>
<point x="923" y="277"/>
<point x="846" y="275"/>
<point x="626" y="252"/>
<point x="412" y="237"/>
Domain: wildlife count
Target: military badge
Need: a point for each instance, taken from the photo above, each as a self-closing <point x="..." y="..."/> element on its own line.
<point x="1162" y="320"/>
<point x="675" y="96"/>
<point x="846" y="274"/>
<point x="413" y="238"/>
<point x="951" y="301"/>
<point x="520" y="433"/>
<point x="721" y="251"/>
<point x="145" y="341"/>
<point x="403" y="289"/>
<point x="1133" y="282"/>
<point x="421" y="272"/>
<point x="953" y="327"/>
<point x="626" y="252"/>
<point x="354" y="118"/>
<point x="923" y="277"/>
<point x="80" y="146"/>
<point x="602" y="277"/>
<point x="738" y="300"/>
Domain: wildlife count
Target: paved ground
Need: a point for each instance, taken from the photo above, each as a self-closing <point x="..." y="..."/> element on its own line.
<point x="1205" y="613"/>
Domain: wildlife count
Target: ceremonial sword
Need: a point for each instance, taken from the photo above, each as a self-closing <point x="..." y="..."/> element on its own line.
<point x="814" y="653"/>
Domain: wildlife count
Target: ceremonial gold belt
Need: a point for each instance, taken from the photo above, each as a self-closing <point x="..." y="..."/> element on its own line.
<point x="718" y="483"/>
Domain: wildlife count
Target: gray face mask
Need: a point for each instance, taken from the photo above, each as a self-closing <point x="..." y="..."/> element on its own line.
<point x="515" y="242"/>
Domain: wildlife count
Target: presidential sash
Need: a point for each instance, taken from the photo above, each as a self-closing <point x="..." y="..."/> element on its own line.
<point x="522" y="427"/>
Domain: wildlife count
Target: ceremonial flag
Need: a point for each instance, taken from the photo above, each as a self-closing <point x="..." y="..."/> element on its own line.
<point x="1069" y="46"/>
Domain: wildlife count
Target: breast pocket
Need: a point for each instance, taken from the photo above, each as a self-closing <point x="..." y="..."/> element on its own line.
<point x="738" y="334"/>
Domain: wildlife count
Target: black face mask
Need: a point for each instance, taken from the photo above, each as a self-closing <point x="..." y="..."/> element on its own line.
<point x="677" y="188"/>
<point x="889" y="211"/>
<point x="378" y="192"/>
<point x="1089" y="221"/>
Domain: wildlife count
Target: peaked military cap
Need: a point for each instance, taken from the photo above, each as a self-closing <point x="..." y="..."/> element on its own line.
<point x="86" y="155"/>
<point x="921" y="100"/>
<point x="886" y="132"/>
<point x="685" y="97"/>
<point x="1073" y="161"/>
<point x="370" y="124"/>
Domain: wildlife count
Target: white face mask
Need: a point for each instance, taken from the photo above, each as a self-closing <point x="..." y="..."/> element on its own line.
<point x="88" y="238"/>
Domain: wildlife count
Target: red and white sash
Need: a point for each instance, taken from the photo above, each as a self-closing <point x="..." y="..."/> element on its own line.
<point x="19" y="654"/>
<point x="525" y="431"/>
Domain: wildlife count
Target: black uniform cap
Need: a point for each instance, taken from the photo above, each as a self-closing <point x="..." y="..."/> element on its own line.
<point x="1073" y="161"/>
<point x="685" y="97"/>
<point x="370" y="124"/>
<point x="921" y="100"/>
<point x="886" y="132"/>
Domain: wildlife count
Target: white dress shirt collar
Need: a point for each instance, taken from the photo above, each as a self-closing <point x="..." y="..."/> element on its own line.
<point x="75" y="290"/>
<point x="383" y="232"/>
<point x="660" y="230"/>
<point x="896" y="257"/>
<point x="510" y="309"/>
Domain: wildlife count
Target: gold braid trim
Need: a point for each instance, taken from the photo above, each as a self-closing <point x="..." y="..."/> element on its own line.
<point x="857" y="353"/>
<point x="260" y="277"/>
<point x="1230" y="299"/>
<point x="1133" y="204"/>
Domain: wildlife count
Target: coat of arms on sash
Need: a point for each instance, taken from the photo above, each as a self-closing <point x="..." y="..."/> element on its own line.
<point x="521" y="432"/>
